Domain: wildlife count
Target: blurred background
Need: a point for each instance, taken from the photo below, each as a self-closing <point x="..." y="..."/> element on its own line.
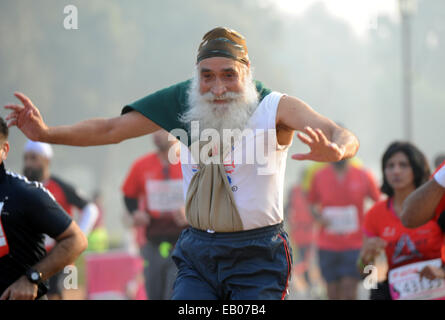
<point x="375" y="66"/>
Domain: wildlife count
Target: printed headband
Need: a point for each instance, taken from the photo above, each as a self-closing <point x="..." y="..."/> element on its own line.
<point x="223" y="42"/>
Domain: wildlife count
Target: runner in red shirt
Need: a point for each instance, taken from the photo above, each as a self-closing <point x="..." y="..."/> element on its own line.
<point x="404" y="169"/>
<point x="337" y="196"/>
<point x="153" y="195"/>
<point x="425" y="204"/>
<point x="302" y="230"/>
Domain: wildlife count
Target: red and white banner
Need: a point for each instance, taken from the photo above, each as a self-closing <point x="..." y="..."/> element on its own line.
<point x="115" y="275"/>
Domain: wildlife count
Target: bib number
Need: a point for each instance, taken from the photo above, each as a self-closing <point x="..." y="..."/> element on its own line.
<point x="165" y="195"/>
<point x="405" y="283"/>
<point x="341" y="219"/>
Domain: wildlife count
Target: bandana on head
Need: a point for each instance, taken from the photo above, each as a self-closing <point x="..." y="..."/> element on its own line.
<point x="223" y="42"/>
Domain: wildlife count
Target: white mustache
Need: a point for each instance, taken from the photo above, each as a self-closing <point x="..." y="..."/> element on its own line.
<point x="210" y="97"/>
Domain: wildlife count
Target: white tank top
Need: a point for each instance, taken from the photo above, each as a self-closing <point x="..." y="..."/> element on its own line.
<point x="257" y="182"/>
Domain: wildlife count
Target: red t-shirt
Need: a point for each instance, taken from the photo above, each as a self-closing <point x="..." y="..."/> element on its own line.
<point x="148" y="167"/>
<point x="300" y="218"/>
<point x="404" y="245"/>
<point x="145" y="169"/>
<point x="348" y="193"/>
<point x="66" y="195"/>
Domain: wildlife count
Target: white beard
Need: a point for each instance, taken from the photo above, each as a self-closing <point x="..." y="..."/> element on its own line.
<point x="232" y="115"/>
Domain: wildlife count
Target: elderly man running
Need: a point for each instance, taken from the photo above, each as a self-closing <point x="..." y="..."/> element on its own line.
<point x="236" y="247"/>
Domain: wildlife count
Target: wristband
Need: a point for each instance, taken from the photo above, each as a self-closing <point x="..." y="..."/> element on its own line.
<point x="439" y="176"/>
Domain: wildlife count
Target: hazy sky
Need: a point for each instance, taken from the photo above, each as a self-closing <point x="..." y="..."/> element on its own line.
<point x="360" y="14"/>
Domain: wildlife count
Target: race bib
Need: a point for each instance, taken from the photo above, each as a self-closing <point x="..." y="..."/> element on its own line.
<point x="4" y="247"/>
<point x="341" y="219"/>
<point x="165" y="195"/>
<point x="405" y="283"/>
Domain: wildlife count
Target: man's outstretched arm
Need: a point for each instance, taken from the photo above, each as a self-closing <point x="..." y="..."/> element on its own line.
<point x="91" y="132"/>
<point x="327" y="141"/>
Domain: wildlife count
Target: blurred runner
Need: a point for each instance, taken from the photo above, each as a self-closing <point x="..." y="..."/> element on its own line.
<point x="27" y="212"/>
<point x="37" y="159"/>
<point x="302" y="232"/>
<point x="407" y="251"/>
<point x="98" y="237"/>
<point x="337" y="197"/>
<point x="314" y="167"/>
<point x="154" y="197"/>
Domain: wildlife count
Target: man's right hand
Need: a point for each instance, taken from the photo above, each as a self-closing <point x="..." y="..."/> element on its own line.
<point x="21" y="289"/>
<point x="27" y="118"/>
<point x="90" y="132"/>
<point x="141" y="218"/>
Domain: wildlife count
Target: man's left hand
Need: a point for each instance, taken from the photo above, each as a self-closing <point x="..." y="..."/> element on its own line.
<point x="322" y="149"/>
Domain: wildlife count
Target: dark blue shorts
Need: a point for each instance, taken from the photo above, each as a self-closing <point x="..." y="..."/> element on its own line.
<point x="335" y="265"/>
<point x="246" y="265"/>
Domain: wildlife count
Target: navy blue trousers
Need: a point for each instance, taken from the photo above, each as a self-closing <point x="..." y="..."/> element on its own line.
<point x="245" y="265"/>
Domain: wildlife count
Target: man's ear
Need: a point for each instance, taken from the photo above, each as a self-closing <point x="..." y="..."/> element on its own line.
<point x="5" y="150"/>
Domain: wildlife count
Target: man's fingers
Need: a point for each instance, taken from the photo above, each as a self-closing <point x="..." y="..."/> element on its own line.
<point x="24" y="99"/>
<point x="304" y="138"/>
<point x="311" y="133"/>
<point x="5" y="294"/>
<point x="11" y="116"/>
<point x="14" y="107"/>
<point x="301" y="156"/>
<point x="12" y="123"/>
<point x="321" y="137"/>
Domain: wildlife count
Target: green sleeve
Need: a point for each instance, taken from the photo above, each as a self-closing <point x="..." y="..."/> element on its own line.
<point x="163" y="107"/>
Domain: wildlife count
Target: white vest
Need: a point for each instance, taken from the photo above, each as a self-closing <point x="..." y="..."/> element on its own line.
<point x="257" y="182"/>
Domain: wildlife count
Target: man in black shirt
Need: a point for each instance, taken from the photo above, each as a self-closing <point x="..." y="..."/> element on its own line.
<point x="37" y="159"/>
<point x="27" y="212"/>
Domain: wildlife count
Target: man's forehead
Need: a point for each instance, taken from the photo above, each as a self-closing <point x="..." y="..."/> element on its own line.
<point x="218" y="64"/>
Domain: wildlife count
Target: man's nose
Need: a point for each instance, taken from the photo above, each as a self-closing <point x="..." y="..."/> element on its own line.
<point x="219" y="88"/>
